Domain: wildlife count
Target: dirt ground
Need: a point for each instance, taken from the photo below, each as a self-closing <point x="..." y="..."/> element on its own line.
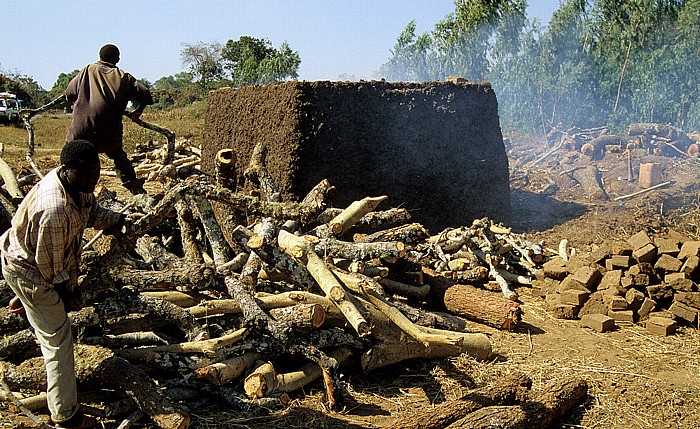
<point x="636" y="379"/>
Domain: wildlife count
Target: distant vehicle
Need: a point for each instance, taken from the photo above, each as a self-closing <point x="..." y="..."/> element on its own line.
<point x="9" y="108"/>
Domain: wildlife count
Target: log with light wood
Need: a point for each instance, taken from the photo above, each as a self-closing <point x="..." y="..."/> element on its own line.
<point x="483" y="306"/>
<point x="258" y="174"/>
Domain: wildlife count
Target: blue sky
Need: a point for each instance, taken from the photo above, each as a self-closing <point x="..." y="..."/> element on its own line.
<point x="44" y="38"/>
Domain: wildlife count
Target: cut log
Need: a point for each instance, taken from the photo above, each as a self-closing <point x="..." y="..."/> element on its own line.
<point x="229" y="370"/>
<point x="353" y="213"/>
<point x="412" y="233"/>
<point x="543" y="410"/>
<point x="483" y="306"/>
<point x="258" y="174"/>
<point x="590" y="181"/>
<point x="11" y="184"/>
<point x="510" y="390"/>
<point x="333" y="248"/>
<point x="185" y="220"/>
<point x="302" y="317"/>
<point x="187" y="277"/>
<point x="225" y="168"/>
<point x="221" y="251"/>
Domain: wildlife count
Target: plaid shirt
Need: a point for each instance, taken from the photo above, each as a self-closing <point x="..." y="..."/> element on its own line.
<point x="44" y="243"/>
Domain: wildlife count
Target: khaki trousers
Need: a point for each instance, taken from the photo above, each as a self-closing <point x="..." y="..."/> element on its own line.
<point x="51" y="325"/>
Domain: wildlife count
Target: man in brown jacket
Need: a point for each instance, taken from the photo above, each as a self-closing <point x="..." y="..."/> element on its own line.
<point x="100" y="94"/>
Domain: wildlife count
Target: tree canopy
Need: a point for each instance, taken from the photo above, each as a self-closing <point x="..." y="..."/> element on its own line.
<point x="598" y="62"/>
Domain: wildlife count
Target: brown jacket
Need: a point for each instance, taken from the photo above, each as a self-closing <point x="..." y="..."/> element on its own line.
<point x="100" y="94"/>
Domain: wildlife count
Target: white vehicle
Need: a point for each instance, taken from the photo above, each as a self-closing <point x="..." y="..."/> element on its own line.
<point x="9" y="108"/>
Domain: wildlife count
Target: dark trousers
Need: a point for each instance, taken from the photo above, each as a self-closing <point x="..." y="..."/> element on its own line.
<point x="122" y="164"/>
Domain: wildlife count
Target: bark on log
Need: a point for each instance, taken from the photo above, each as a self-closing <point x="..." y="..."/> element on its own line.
<point x="403" y="289"/>
<point x="589" y="178"/>
<point x="374" y="219"/>
<point x="185" y="278"/>
<point x="220" y="249"/>
<point x="185" y="220"/>
<point x="482" y="306"/>
<point x="152" y="251"/>
<point x="543" y="410"/>
<point x="263" y="244"/>
<point x="266" y="302"/>
<point x="431" y="319"/>
<point x="510" y="390"/>
<point x="333" y="248"/>
<point x="302" y="317"/>
<point x="412" y="233"/>
<point x="258" y="174"/>
<point x="299" y="248"/>
<point x="316" y="201"/>
<point x="178" y="298"/>
<point x="225" y="169"/>
<point x="229" y="370"/>
<point x="265" y="381"/>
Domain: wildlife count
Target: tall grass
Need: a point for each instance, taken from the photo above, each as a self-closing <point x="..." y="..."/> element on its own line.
<point x="50" y="132"/>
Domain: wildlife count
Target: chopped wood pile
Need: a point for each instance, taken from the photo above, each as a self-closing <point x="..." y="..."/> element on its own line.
<point x="257" y="298"/>
<point x="652" y="282"/>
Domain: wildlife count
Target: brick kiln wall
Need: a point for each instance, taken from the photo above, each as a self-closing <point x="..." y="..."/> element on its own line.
<point x="435" y="148"/>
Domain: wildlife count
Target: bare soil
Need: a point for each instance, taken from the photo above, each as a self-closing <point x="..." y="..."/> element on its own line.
<point x="636" y="379"/>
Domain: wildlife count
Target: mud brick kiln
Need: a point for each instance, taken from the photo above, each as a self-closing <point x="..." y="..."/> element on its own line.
<point x="434" y="148"/>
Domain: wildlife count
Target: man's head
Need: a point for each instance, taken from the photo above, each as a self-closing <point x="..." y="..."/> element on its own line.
<point x="81" y="165"/>
<point x="109" y="53"/>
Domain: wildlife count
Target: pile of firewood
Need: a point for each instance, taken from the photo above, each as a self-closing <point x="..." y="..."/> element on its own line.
<point x="642" y="280"/>
<point x="213" y="293"/>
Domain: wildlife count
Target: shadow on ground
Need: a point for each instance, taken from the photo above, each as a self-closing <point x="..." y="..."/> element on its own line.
<point x="538" y="212"/>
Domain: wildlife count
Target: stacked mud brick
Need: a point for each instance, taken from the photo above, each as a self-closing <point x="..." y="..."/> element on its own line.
<point x="653" y="282"/>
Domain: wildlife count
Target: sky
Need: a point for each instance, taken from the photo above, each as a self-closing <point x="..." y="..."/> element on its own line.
<point x="333" y="37"/>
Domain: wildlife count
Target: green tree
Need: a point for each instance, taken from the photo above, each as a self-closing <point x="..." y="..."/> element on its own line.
<point x="250" y="60"/>
<point x="177" y="80"/>
<point x="204" y="63"/>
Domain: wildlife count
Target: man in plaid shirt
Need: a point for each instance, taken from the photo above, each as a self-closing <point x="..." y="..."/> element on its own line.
<point x="40" y="261"/>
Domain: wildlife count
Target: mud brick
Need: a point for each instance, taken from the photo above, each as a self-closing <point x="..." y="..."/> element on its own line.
<point x="603" y="252"/>
<point x="645" y="254"/>
<point x="667" y="246"/>
<point x="619" y="248"/>
<point x="622" y="316"/>
<point x="574" y="297"/>
<point x="570" y="283"/>
<point x="646" y="308"/>
<point x="641" y="268"/>
<point x="668" y="264"/>
<point x="672" y="277"/>
<point x="589" y="276"/>
<point x="689" y="248"/>
<point x="691" y="299"/>
<point x="555" y="268"/>
<point x="617" y="303"/>
<point x="594" y="305"/>
<point x="690" y="266"/>
<point x="682" y="285"/>
<point x="683" y="311"/>
<point x="626" y="282"/>
<point x="610" y="279"/>
<point x="660" y="292"/>
<point x="661" y="326"/>
<point x="618" y="261"/>
<point x="639" y="240"/>
<point x="565" y="311"/>
<point x="641" y="280"/>
<point x="598" y="322"/>
<point x="634" y="299"/>
<point x="577" y="261"/>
